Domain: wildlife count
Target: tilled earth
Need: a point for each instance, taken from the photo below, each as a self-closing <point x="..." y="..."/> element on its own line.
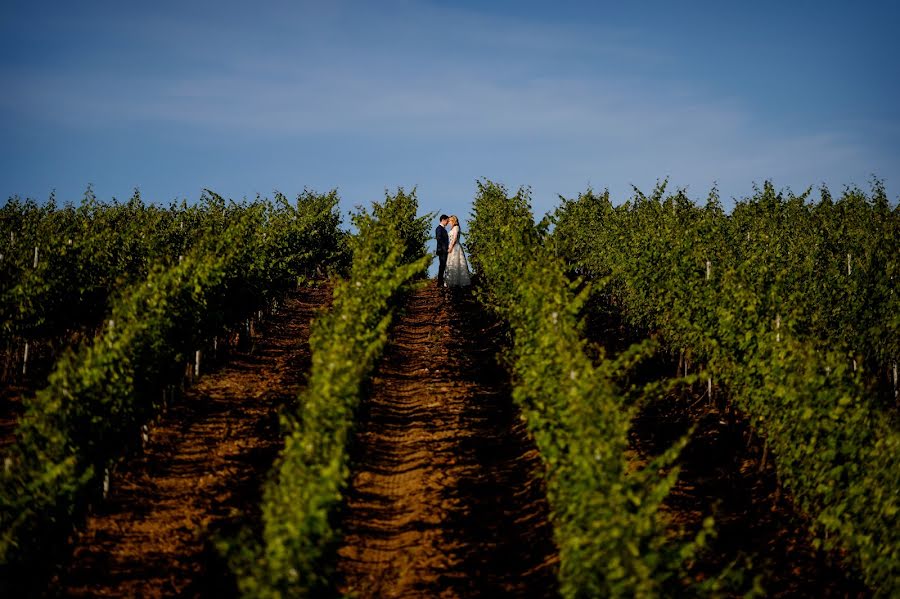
<point x="445" y="498"/>
<point x="759" y="533"/>
<point x="200" y="471"/>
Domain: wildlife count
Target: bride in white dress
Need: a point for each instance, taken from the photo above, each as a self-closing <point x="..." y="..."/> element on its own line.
<point x="457" y="267"/>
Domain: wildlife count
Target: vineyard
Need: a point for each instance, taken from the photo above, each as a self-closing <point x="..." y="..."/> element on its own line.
<point x="656" y="398"/>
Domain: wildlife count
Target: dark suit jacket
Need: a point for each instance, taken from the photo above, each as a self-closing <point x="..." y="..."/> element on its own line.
<point x="443" y="240"/>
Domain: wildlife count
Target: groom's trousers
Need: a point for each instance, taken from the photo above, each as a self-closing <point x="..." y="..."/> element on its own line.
<point x="442" y="266"/>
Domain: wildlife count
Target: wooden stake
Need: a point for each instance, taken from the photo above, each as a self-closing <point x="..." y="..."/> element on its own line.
<point x="35" y="256"/>
<point x="197" y="363"/>
<point x="25" y="360"/>
<point x="765" y="455"/>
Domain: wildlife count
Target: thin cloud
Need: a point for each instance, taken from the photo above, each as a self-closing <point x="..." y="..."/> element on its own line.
<point x="508" y="98"/>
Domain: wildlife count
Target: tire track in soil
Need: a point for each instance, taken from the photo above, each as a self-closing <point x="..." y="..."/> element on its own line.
<point x="201" y="471"/>
<point x="444" y="498"/>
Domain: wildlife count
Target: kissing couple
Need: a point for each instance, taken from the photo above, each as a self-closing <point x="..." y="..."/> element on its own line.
<point x="453" y="270"/>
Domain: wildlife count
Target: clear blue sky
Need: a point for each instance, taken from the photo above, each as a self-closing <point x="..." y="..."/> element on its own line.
<point x="172" y="97"/>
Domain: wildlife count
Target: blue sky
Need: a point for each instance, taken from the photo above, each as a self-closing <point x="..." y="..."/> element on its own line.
<point x="172" y="97"/>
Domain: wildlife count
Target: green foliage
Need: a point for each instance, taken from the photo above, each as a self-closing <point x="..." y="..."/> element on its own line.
<point x="409" y="229"/>
<point x="792" y="306"/>
<point x="291" y="559"/>
<point x="606" y="519"/>
<point x="88" y="255"/>
<point x="100" y="393"/>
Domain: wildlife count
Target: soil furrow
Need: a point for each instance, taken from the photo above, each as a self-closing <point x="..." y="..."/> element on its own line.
<point x="445" y="500"/>
<point x="200" y="472"/>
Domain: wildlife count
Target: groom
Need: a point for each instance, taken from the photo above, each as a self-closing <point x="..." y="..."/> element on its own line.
<point x="443" y="244"/>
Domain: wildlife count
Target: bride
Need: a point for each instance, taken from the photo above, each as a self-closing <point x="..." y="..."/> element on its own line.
<point x="457" y="267"/>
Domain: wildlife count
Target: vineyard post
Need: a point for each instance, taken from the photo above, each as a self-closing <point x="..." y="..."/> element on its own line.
<point x="35" y="257"/>
<point x="197" y="363"/>
<point x="849" y="270"/>
<point x="708" y="266"/>
<point x="778" y="328"/>
<point x="765" y="455"/>
<point x="25" y="360"/>
<point x="105" y="482"/>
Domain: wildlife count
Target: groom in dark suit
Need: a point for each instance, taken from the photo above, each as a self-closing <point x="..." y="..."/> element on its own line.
<point x="443" y="244"/>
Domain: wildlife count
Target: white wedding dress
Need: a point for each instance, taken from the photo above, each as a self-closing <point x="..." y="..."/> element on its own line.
<point x="457" y="274"/>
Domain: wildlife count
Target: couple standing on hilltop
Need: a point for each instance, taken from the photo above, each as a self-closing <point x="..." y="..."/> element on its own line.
<point x="453" y="270"/>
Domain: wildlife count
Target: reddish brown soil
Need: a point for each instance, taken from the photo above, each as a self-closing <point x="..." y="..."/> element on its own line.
<point x="757" y="527"/>
<point x="759" y="532"/>
<point x="201" y="471"/>
<point x="445" y="500"/>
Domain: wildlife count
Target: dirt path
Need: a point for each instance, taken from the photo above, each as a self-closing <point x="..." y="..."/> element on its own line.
<point x="444" y="501"/>
<point x="201" y="471"/>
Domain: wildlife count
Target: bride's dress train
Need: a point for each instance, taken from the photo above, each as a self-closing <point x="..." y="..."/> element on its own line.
<point x="457" y="274"/>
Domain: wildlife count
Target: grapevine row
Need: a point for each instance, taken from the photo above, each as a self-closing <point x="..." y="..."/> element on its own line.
<point x="100" y="394"/>
<point x="61" y="268"/>
<point x="606" y="520"/>
<point x="791" y="306"/>
<point x="292" y="555"/>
